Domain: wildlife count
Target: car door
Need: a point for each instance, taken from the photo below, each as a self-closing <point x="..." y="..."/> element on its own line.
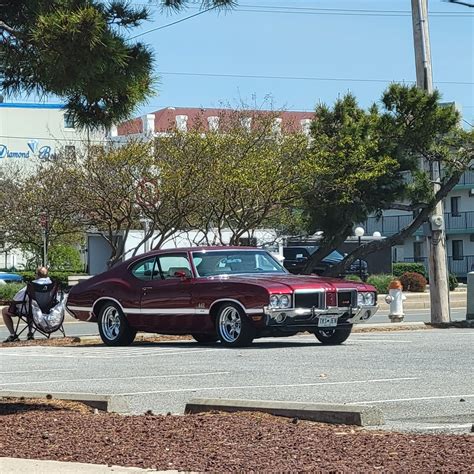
<point x="166" y="304"/>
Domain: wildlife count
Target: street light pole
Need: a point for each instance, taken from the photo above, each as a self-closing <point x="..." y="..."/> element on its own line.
<point x="436" y="242"/>
<point x="146" y="222"/>
<point x="359" y="232"/>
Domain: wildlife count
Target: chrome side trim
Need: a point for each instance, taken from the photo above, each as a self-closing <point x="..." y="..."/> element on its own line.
<point x="163" y="311"/>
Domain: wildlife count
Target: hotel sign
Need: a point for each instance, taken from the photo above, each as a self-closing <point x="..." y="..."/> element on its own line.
<point x="33" y="149"/>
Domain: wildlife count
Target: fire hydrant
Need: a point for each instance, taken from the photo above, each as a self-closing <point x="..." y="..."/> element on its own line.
<point x="395" y="299"/>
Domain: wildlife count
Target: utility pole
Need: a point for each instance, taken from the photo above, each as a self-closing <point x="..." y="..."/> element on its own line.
<point x="436" y="242"/>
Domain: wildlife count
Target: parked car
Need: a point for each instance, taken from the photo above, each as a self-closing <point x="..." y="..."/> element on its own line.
<point x="231" y="294"/>
<point x="6" y="277"/>
<point x="297" y="257"/>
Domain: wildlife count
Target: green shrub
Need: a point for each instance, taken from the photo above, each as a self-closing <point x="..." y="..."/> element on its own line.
<point x="380" y="282"/>
<point x="453" y="282"/>
<point x="63" y="258"/>
<point x="400" y="268"/>
<point x="352" y="278"/>
<point x="9" y="290"/>
<point x="413" y="282"/>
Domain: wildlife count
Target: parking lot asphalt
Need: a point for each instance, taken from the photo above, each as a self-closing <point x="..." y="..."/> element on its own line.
<point x="422" y="380"/>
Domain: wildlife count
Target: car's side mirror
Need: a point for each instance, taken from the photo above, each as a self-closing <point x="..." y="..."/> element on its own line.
<point x="181" y="274"/>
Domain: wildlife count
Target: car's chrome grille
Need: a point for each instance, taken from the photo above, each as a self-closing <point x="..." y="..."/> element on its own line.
<point x="309" y="300"/>
<point x="346" y="299"/>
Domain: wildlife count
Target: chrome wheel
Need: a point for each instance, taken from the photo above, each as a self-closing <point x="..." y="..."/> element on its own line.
<point x="230" y="324"/>
<point x="111" y="322"/>
<point x="114" y="328"/>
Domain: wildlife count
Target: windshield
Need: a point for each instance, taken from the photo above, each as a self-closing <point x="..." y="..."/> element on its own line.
<point x="230" y="262"/>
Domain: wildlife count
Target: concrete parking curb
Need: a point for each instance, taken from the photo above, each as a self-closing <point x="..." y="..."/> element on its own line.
<point x="322" y="412"/>
<point x="368" y="327"/>
<point x="109" y="403"/>
<point x="36" y="466"/>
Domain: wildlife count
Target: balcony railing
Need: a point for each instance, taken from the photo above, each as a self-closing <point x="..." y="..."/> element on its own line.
<point x="467" y="179"/>
<point x="389" y="225"/>
<point x="459" y="266"/>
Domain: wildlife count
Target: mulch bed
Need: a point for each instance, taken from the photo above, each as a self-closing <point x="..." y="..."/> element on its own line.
<point x="219" y="442"/>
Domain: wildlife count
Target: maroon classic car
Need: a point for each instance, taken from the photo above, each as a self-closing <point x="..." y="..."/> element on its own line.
<point x="231" y="294"/>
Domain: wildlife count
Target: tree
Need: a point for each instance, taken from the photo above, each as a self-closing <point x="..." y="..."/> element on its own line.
<point x="240" y="175"/>
<point x="368" y="162"/>
<point x="76" y="50"/>
<point x="105" y="188"/>
<point x="36" y="211"/>
<point x="79" y="51"/>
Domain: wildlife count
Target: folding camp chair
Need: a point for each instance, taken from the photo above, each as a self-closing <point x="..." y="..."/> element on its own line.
<point x="42" y="309"/>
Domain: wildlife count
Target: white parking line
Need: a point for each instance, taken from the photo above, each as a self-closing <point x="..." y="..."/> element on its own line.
<point x="199" y="389"/>
<point x="448" y="426"/>
<point x="34" y="371"/>
<point x="411" y="399"/>
<point x="115" y="378"/>
<point x="392" y="341"/>
<point x="111" y="354"/>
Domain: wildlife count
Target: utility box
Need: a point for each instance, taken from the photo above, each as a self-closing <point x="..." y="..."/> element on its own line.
<point x="470" y="296"/>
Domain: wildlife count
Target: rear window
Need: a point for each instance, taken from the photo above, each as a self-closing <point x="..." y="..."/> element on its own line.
<point x="293" y="253"/>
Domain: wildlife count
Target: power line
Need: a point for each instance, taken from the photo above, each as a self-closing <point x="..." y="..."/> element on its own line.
<point x="172" y="23"/>
<point x="298" y="78"/>
<point x="366" y="13"/>
<point x="470" y="124"/>
<point x="329" y="11"/>
<point x="471" y="5"/>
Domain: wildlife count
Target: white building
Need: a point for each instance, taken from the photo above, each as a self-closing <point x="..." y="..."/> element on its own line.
<point x="459" y="225"/>
<point x="31" y="133"/>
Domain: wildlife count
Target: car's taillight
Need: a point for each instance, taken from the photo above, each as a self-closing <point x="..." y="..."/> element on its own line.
<point x="331" y="299"/>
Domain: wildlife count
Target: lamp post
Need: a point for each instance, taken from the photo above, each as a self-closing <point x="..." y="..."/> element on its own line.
<point x="359" y="232"/>
<point x="146" y="223"/>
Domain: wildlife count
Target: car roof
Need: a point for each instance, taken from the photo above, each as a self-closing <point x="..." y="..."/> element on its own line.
<point x="209" y="248"/>
<point x="204" y="248"/>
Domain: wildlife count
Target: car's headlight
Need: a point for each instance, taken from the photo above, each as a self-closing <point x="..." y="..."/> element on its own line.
<point x="280" y="301"/>
<point x="274" y="301"/>
<point x="284" y="301"/>
<point x="365" y="299"/>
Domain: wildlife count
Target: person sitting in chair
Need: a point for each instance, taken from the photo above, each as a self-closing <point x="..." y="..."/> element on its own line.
<point x="14" y="308"/>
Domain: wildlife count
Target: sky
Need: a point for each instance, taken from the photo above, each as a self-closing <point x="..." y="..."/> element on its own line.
<point x="304" y="51"/>
<point x="348" y="44"/>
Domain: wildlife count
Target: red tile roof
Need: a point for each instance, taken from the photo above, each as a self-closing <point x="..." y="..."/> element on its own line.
<point x="165" y="119"/>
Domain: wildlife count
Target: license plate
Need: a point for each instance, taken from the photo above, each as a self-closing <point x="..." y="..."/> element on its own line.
<point x="327" y="321"/>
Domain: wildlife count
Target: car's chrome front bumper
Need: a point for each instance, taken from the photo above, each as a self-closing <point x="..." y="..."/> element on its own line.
<point x="355" y="315"/>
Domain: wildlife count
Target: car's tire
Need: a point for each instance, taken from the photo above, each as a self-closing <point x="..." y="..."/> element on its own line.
<point x="233" y="327"/>
<point x="205" y="338"/>
<point x="333" y="336"/>
<point x="114" y="328"/>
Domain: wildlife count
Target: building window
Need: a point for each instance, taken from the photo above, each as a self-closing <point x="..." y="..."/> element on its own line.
<point x="458" y="253"/>
<point x="455" y="201"/>
<point x="70" y="151"/>
<point x="418" y="251"/>
<point x="69" y="120"/>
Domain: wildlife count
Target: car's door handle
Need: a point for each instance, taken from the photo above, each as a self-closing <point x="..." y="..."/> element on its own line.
<point x="145" y="288"/>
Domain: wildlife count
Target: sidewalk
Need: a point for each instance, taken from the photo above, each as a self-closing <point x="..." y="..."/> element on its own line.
<point x="457" y="299"/>
<point x="34" y="466"/>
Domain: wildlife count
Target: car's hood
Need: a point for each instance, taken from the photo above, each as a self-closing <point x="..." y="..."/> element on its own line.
<point x="10" y="276"/>
<point x="296" y="282"/>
